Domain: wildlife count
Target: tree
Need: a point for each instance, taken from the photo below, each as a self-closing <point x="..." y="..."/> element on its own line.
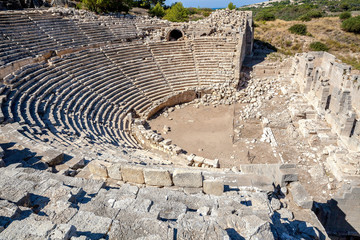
<point x="157" y="11"/>
<point x="177" y="13"/>
<point x="148" y="3"/>
<point x="231" y="6"/>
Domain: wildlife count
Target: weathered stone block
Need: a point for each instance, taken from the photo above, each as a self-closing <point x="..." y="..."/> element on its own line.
<point x="214" y="187"/>
<point x="98" y="169"/>
<point x="300" y="196"/>
<point x="52" y="157"/>
<point x="8" y="211"/>
<point x="63" y="231"/>
<point x="132" y="174"/>
<point x="76" y="163"/>
<point x="114" y="172"/>
<point x="191" y="191"/>
<point x="157" y="177"/>
<point x="187" y="178"/>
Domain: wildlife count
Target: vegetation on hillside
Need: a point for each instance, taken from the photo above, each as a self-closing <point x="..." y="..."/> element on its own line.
<point x="290" y="26"/>
<point x="299" y="29"/>
<point x="345" y="15"/>
<point x="351" y="25"/>
<point x="327" y="31"/>
<point x="177" y="13"/>
<point x="101" y="6"/>
<point x="157" y="11"/>
<point x="303" y="10"/>
<point x="318" y="46"/>
<point x="231" y="6"/>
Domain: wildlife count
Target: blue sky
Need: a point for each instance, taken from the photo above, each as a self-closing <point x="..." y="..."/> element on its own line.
<point x="212" y="3"/>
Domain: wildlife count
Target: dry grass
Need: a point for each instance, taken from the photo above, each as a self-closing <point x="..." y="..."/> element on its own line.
<point x="344" y="45"/>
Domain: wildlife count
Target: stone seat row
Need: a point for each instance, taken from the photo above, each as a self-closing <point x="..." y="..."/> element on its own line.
<point x="37" y="32"/>
<point x="91" y="92"/>
<point x="30" y="113"/>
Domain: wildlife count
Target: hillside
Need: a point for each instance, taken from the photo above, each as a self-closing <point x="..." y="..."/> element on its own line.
<point x="344" y="45"/>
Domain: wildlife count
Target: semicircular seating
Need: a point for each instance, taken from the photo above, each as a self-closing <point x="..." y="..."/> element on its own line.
<point x="89" y="93"/>
<point x="99" y="71"/>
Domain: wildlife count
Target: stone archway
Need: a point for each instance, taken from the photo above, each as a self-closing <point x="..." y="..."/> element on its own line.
<point x="174" y="35"/>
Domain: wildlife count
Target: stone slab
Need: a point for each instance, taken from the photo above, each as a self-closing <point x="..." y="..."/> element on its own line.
<point x="132" y="174"/>
<point x="52" y="157"/>
<point x="157" y="177"/>
<point x="214" y="187"/>
<point x="187" y="178"/>
<point x="300" y="195"/>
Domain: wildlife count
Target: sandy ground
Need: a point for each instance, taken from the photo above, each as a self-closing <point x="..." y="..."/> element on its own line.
<point x="208" y="132"/>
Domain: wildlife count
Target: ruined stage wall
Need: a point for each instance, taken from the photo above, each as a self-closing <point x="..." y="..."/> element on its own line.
<point x="334" y="91"/>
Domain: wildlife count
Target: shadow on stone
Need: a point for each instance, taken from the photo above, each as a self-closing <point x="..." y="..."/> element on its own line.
<point x="233" y="234"/>
<point x="335" y="220"/>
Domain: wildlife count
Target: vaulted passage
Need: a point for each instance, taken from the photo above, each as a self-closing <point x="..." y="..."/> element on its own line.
<point x="174" y="35"/>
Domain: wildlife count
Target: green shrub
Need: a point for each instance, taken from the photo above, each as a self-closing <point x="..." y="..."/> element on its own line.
<point x="299" y="29"/>
<point x="265" y="16"/>
<point x="177" y="13"/>
<point x="79" y="5"/>
<point x="192" y="10"/>
<point x="315" y="13"/>
<point x="310" y="15"/>
<point x="148" y="4"/>
<point x="345" y="6"/>
<point x="345" y="15"/>
<point x="305" y="18"/>
<point x="351" y="24"/>
<point x="318" y="46"/>
<point x="231" y="6"/>
<point x="157" y="11"/>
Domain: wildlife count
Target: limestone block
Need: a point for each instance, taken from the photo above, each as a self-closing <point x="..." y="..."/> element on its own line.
<point x="187" y="178"/>
<point x="98" y="169"/>
<point x="114" y="172"/>
<point x="63" y="231"/>
<point x="177" y="150"/>
<point x="89" y="223"/>
<point x="52" y="157"/>
<point x="167" y="141"/>
<point x="300" y="195"/>
<point x="214" y="187"/>
<point x="169" y="210"/>
<point x="191" y="191"/>
<point x="132" y="174"/>
<point x="157" y="177"/>
<point x="76" y="163"/>
<point x="286" y="213"/>
<point x="275" y="204"/>
<point x="8" y="211"/>
<point x="28" y="228"/>
<point x="288" y="174"/>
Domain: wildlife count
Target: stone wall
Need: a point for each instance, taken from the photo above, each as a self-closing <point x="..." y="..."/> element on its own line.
<point x="334" y="91"/>
<point x="177" y="98"/>
<point x="210" y="181"/>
